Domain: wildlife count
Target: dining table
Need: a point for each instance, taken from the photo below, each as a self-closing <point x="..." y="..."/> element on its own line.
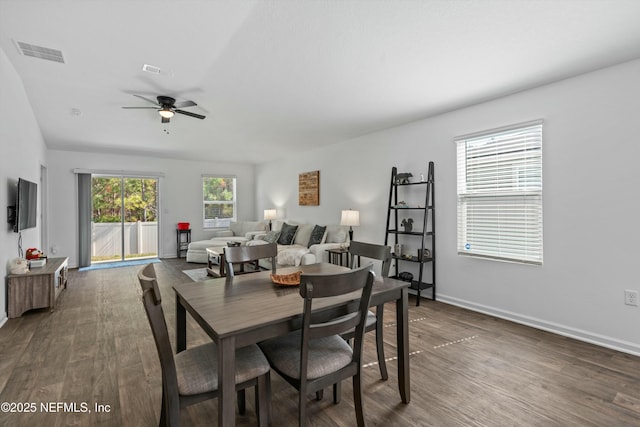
<point x="251" y="308"/>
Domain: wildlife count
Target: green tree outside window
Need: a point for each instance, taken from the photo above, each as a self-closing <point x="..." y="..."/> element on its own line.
<point x="219" y="201"/>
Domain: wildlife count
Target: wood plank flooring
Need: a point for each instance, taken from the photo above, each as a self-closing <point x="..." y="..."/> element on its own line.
<point x="467" y="369"/>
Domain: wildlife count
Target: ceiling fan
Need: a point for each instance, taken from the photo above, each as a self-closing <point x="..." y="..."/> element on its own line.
<point x="168" y="107"/>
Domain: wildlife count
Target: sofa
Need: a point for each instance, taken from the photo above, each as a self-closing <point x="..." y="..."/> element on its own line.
<point x="238" y="231"/>
<point x="307" y="245"/>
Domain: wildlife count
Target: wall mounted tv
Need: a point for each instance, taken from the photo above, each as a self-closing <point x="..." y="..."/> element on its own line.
<point x="26" y="205"/>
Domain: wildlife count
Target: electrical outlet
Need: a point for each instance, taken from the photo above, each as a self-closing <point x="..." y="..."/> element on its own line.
<point x="630" y="297"/>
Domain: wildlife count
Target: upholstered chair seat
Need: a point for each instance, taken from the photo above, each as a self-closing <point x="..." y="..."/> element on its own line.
<point x="326" y="355"/>
<point x="197" y="367"/>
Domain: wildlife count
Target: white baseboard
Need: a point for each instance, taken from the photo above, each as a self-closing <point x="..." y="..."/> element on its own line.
<point x="3" y="320"/>
<point x="567" y="331"/>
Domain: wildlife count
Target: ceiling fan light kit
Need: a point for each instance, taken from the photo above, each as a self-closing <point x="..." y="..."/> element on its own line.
<point x="167" y="113"/>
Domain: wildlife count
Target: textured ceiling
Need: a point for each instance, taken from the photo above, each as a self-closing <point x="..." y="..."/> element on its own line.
<point x="291" y="74"/>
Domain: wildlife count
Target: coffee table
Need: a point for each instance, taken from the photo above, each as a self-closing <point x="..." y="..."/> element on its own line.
<point x="215" y="255"/>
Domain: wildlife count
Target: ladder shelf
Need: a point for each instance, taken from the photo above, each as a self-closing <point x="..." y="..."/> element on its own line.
<point x="398" y="209"/>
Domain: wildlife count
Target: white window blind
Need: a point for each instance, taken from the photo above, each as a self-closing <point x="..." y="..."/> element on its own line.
<point x="500" y="194"/>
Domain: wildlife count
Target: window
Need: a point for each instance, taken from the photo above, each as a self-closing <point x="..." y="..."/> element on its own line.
<point x="500" y="194"/>
<point x="219" y="200"/>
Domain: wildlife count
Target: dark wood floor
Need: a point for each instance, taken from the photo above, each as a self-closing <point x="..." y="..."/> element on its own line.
<point x="466" y="368"/>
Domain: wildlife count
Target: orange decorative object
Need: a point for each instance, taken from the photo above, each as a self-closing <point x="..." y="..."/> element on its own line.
<point x="34" y="253"/>
<point x="292" y="279"/>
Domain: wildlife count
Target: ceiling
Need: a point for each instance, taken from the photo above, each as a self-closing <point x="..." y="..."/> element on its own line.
<point x="275" y="76"/>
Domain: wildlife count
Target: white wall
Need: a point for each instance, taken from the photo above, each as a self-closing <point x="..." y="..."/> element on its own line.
<point x="22" y="151"/>
<point x="180" y="195"/>
<point x="590" y="154"/>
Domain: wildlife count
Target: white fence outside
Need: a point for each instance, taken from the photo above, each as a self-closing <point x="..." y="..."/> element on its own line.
<point x="139" y="238"/>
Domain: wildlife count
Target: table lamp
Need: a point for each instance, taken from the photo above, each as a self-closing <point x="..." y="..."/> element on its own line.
<point x="350" y="218"/>
<point x="270" y="214"/>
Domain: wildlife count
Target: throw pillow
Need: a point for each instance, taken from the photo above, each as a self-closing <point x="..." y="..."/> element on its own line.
<point x="316" y="235"/>
<point x="287" y="233"/>
<point x="339" y="236"/>
<point x="271" y="236"/>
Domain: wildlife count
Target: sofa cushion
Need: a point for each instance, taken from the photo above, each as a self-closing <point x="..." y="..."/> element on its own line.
<point x="223" y="233"/>
<point x="317" y="234"/>
<point x="287" y="234"/>
<point x="271" y="237"/>
<point x="202" y="245"/>
<point x="303" y="234"/>
<point x="277" y="224"/>
<point x="242" y="228"/>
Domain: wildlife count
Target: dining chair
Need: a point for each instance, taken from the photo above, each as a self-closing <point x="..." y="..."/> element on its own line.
<point x="245" y="254"/>
<point x="316" y="356"/>
<point x="191" y="376"/>
<point x="374" y="322"/>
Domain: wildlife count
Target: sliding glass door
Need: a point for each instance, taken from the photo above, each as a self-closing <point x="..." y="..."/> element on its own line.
<point x="124" y="218"/>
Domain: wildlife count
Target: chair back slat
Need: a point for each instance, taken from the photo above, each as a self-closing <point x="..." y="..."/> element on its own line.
<point x="334" y="327"/>
<point x="314" y="286"/>
<point x="148" y="282"/>
<point x="242" y="254"/>
<point x="151" y="300"/>
<point x="371" y="251"/>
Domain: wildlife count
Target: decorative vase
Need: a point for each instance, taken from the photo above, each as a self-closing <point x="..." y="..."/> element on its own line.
<point x="397" y="250"/>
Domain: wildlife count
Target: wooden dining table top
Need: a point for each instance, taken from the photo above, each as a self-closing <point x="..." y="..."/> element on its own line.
<point x="253" y="300"/>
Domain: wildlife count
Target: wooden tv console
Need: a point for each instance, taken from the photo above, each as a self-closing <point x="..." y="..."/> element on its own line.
<point x="38" y="288"/>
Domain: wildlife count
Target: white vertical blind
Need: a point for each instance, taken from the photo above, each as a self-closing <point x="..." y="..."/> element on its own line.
<point x="500" y="194"/>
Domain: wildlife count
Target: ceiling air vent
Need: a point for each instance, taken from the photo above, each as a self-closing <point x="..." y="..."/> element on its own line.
<point x="151" y="69"/>
<point x="40" y="52"/>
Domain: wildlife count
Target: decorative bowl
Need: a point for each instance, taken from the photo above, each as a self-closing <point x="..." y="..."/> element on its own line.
<point x="292" y="279"/>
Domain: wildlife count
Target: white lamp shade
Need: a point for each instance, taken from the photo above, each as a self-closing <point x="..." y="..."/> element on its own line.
<point x="350" y="217"/>
<point x="270" y="214"/>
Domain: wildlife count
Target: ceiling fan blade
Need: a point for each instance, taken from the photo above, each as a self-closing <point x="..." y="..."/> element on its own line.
<point x="186" y="113"/>
<point x="164" y="120"/>
<point x="147" y="99"/>
<point x="143" y="108"/>
<point x="185" y="104"/>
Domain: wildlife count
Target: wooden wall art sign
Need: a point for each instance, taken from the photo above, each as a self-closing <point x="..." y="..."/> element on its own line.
<point x="309" y="188"/>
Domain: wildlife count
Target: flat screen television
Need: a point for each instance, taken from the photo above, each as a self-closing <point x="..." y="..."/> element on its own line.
<point x="26" y="205"/>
